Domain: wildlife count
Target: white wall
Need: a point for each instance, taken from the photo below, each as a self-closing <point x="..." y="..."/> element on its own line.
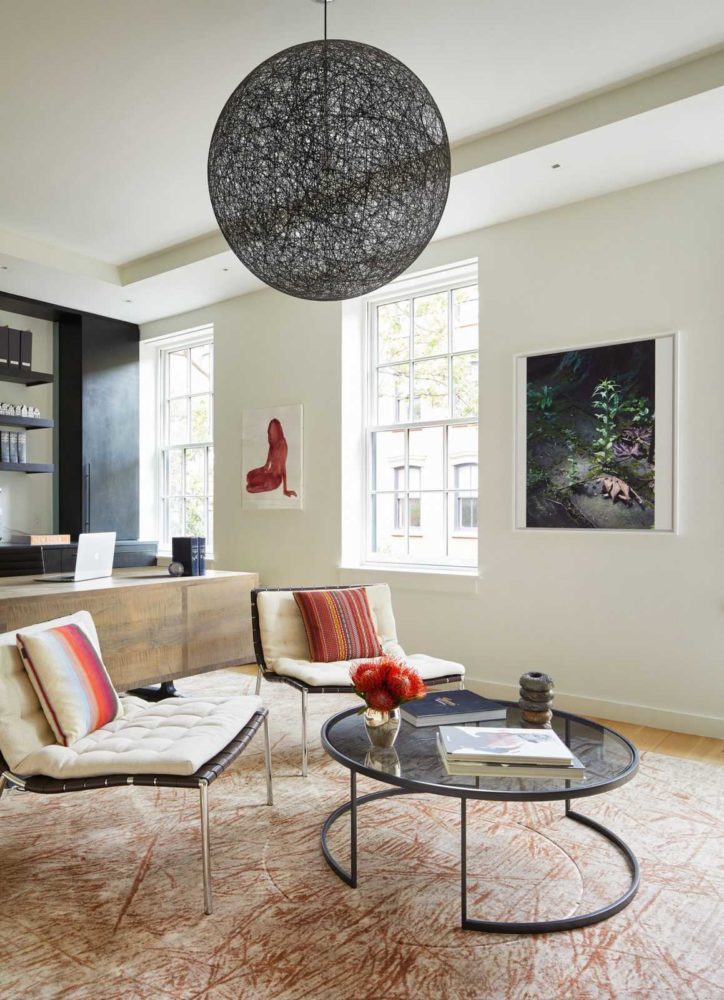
<point x="26" y="501"/>
<point x="629" y="625"/>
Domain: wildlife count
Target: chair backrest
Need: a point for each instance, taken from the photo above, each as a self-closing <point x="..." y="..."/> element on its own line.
<point x="278" y="628"/>
<point x="23" y="726"/>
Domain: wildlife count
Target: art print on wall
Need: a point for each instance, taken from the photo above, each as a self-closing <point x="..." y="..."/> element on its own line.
<point x="272" y="441"/>
<point x="595" y="437"/>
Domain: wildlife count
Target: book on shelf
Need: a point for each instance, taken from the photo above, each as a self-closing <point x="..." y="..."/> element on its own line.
<point x="22" y="447"/>
<point x="451" y="708"/>
<point x="4" y="446"/>
<point x="13" y="447"/>
<point x="575" y="771"/>
<point x="492" y="744"/>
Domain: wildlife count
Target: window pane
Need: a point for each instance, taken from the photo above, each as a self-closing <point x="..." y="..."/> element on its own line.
<point x="393" y="394"/>
<point x="175" y="483"/>
<point x="431" y="389"/>
<point x="201" y="368"/>
<point x="386" y="539"/>
<point x="415" y="510"/>
<point x="195" y="516"/>
<point x="194" y="471"/>
<point x="210" y="526"/>
<point x="175" y="518"/>
<point x="463" y="528"/>
<point x="178" y="421"/>
<point x="427" y="541"/>
<point x="431" y="325"/>
<point x="465" y="385"/>
<point x="465" y="318"/>
<point x="393" y="331"/>
<point x="178" y="373"/>
<point x="426" y="453"/>
<point x="388" y="455"/>
<point x="210" y="459"/>
<point x="200" y="418"/>
<point x="462" y="449"/>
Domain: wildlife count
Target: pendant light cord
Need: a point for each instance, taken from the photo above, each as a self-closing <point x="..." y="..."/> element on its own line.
<point x="325" y="20"/>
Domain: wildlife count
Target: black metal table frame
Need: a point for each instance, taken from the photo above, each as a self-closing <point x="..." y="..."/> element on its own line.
<point x="473" y="923"/>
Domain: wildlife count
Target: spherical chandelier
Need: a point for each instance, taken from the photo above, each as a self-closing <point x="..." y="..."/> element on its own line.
<point x="329" y="169"/>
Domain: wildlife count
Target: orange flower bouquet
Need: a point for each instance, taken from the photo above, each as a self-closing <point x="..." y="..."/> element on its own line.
<point x="384" y="685"/>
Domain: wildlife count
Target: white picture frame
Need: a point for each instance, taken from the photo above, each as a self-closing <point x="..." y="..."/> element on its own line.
<point x="665" y="377"/>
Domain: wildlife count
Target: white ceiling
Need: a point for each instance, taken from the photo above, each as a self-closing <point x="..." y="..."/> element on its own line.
<point x="107" y="107"/>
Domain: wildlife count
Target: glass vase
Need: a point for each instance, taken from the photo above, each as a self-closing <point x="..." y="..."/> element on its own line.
<point x="382" y="727"/>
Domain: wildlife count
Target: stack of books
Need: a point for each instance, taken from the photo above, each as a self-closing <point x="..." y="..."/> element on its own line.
<point x="451" y="708"/>
<point x="507" y="753"/>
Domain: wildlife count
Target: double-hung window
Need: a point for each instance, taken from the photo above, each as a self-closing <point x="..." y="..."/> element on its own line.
<point x="186" y="452"/>
<point x="422" y="422"/>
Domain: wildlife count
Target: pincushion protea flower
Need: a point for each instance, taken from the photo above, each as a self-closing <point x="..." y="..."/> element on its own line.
<point x="384" y="684"/>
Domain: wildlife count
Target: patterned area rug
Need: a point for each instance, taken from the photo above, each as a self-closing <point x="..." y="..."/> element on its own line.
<point x="101" y="897"/>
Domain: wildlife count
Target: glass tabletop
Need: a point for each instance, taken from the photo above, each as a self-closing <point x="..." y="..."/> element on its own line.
<point x="414" y="762"/>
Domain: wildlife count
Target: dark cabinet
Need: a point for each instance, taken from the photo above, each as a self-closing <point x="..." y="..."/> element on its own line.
<point x="98" y="399"/>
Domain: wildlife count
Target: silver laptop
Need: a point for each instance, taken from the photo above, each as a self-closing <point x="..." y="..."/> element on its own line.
<point x="94" y="560"/>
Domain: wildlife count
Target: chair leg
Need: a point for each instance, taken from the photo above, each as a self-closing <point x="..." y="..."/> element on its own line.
<point x="205" y="845"/>
<point x="267" y="764"/>
<point x="304" y="734"/>
<point x="258" y="679"/>
<point x="462" y="683"/>
<point x="3" y="783"/>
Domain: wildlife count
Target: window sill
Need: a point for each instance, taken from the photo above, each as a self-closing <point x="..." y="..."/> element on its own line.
<point x="456" y="580"/>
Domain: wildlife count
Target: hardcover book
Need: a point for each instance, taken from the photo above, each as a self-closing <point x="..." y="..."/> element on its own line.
<point x="462" y="768"/>
<point x="490" y="745"/>
<point x="13" y="446"/>
<point x="14" y="346"/>
<point x="3" y="345"/>
<point x="5" y="446"/>
<point x="451" y="708"/>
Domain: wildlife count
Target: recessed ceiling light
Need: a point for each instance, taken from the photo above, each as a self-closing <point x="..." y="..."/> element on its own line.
<point x="3" y="267"/>
<point x="128" y="300"/>
<point x="224" y="268"/>
<point x="555" y="166"/>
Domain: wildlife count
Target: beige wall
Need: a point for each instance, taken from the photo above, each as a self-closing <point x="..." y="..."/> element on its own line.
<point x="629" y="625"/>
<point x="26" y="501"/>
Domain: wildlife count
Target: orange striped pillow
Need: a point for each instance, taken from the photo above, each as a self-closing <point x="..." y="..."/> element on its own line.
<point x="70" y="680"/>
<point x="338" y="624"/>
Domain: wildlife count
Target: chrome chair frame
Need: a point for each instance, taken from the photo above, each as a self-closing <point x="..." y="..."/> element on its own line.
<point x="207" y="773"/>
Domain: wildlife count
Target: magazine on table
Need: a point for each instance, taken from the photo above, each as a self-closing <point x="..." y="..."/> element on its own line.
<point x="513" y="746"/>
<point x="575" y="771"/>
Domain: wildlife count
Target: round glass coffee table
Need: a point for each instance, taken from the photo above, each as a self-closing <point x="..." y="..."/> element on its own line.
<point x="413" y="765"/>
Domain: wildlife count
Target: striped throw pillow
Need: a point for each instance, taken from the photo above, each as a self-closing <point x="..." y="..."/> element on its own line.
<point x="70" y="680"/>
<point x="339" y="624"/>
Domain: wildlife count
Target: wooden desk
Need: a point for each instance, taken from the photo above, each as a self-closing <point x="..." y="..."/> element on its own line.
<point x="152" y="627"/>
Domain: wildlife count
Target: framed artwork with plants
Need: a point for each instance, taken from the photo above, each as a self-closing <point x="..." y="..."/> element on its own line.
<point x="595" y="436"/>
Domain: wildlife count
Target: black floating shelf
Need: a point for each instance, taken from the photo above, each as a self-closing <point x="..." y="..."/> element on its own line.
<point x="23" y="375"/>
<point x="29" y="423"/>
<point x="27" y="467"/>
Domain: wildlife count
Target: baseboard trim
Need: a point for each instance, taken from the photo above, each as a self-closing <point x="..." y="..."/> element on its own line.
<point x="641" y="715"/>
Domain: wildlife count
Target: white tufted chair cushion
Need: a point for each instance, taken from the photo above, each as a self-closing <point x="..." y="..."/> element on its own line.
<point x="337" y="673"/>
<point x="173" y="736"/>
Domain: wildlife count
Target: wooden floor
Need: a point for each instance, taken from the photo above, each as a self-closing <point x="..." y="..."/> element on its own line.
<point x="645" y="738"/>
<point x="675" y="744"/>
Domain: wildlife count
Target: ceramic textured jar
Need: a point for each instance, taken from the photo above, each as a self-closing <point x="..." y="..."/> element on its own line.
<point x="536" y="698"/>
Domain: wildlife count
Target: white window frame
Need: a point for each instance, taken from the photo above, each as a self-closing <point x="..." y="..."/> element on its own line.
<point x="153" y="483"/>
<point x="440" y="280"/>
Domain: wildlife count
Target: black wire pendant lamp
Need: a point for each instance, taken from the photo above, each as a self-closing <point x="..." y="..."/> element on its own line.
<point x="329" y="169"/>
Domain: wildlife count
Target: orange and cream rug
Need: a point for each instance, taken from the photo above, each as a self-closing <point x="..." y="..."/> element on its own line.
<point x="100" y="892"/>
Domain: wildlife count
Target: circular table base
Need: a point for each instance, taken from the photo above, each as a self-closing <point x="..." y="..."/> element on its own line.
<point x="472" y="923"/>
